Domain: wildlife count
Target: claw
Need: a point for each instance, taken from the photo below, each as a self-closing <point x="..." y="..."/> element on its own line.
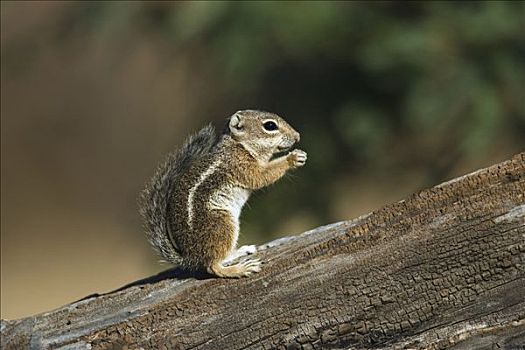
<point x="252" y="266"/>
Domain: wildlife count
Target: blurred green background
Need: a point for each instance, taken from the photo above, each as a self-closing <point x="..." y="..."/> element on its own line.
<point x="390" y="97"/>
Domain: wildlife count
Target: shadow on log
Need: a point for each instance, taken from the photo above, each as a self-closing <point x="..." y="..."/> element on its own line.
<point x="443" y="269"/>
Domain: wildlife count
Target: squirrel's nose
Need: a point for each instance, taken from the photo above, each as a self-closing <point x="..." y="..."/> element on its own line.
<point x="297" y="137"/>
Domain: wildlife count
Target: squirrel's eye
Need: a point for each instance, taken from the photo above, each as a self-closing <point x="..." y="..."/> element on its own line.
<point x="270" y="126"/>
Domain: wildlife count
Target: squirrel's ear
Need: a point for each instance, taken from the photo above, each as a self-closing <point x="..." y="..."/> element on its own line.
<point x="236" y="124"/>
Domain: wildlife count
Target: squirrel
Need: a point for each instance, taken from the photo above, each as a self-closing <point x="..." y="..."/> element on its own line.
<point x="191" y="206"/>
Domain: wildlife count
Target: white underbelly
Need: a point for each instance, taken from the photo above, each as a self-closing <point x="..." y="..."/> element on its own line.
<point x="231" y="199"/>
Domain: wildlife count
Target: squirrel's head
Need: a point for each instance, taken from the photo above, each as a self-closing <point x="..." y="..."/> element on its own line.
<point x="263" y="134"/>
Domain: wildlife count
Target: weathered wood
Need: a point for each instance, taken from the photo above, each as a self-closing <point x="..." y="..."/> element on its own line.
<point x="444" y="268"/>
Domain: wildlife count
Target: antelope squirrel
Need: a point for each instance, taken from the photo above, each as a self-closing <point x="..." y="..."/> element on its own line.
<point x="192" y="204"/>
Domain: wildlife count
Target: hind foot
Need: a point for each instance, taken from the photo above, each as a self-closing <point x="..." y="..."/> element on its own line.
<point x="242" y="269"/>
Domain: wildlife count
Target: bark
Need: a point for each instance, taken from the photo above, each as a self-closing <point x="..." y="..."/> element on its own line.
<point x="444" y="268"/>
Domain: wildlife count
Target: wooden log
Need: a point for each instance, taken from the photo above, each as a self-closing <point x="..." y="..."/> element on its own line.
<point x="443" y="269"/>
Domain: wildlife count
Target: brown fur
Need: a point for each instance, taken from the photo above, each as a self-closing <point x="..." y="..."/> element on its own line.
<point x="206" y="198"/>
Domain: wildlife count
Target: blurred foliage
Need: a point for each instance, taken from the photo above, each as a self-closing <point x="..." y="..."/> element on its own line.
<point x="374" y="87"/>
<point x="425" y="83"/>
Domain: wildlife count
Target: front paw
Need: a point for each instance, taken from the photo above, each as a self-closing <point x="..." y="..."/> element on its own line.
<point x="297" y="158"/>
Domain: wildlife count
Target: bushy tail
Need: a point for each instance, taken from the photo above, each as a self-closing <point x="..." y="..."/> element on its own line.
<point x="153" y="201"/>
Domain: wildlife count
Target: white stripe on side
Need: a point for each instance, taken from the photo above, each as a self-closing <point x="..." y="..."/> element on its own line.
<point x="211" y="169"/>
